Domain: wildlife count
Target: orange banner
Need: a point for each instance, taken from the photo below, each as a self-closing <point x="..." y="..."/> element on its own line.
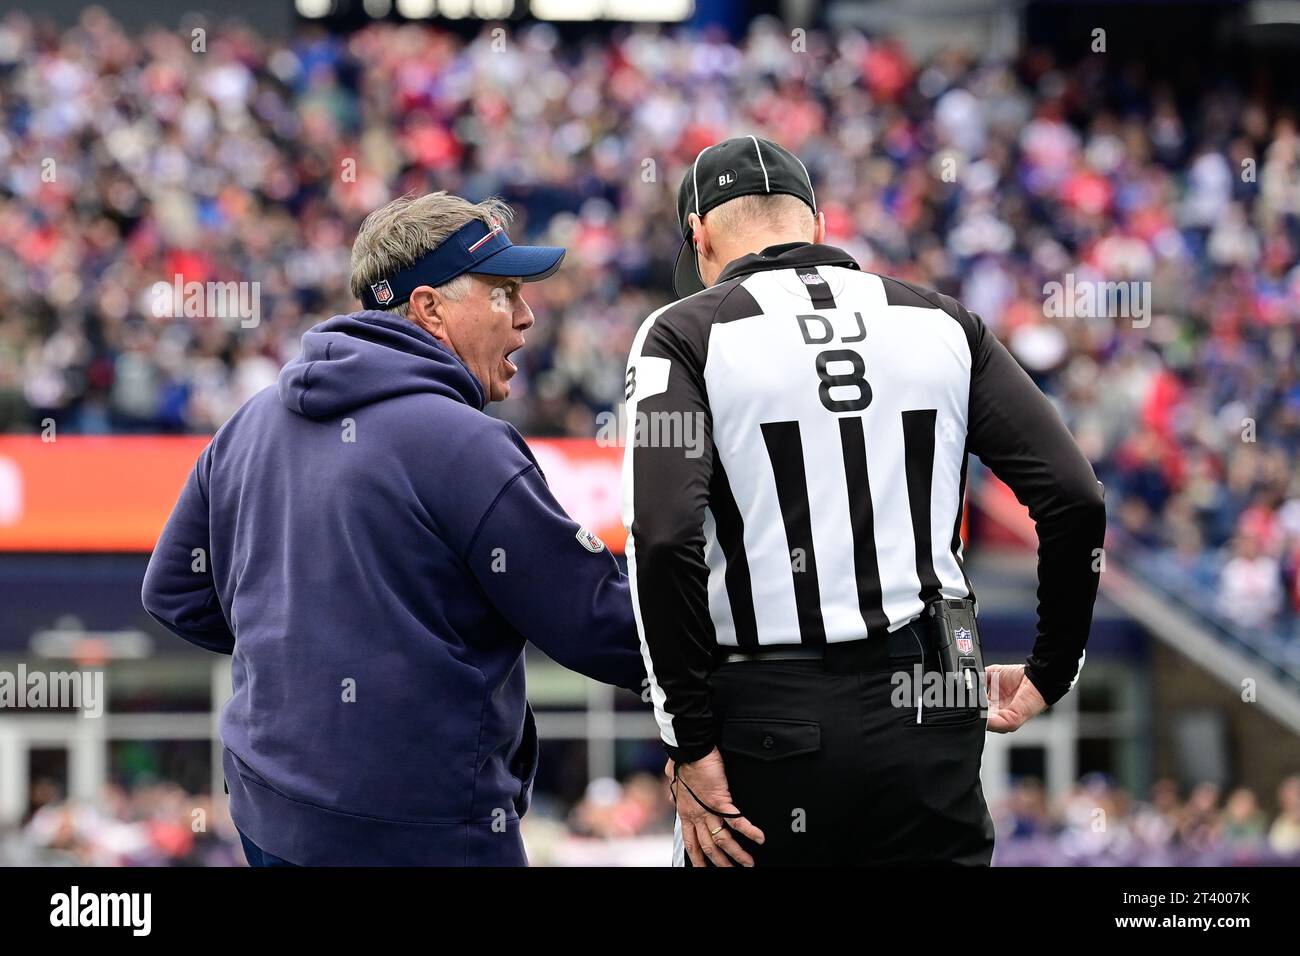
<point x="115" y="493"/>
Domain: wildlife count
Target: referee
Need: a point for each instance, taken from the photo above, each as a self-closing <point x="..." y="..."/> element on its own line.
<point x="793" y="570"/>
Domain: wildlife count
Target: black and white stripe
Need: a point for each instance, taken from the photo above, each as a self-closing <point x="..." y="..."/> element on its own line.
<point x="840" y="409"/>
<point x="832" y="553"/>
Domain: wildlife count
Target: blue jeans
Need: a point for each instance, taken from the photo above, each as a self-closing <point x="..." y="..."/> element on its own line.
<point x="259" y="857"/>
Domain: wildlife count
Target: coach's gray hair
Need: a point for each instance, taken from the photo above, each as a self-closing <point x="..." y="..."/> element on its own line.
<point x="395" y="236"/>
<point x="775" y="210"/>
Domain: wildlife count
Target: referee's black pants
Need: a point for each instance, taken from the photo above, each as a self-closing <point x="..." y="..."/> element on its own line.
<point x="819" y="759"/>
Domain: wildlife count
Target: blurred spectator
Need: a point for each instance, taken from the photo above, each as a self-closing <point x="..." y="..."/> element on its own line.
<point x="609" y="809"/>
<point x="1244" y="824"/>
<point x="1200" y="826"/>
<point x="1250" y="588"/>
<point x="1284" y="835"/>
<point x="1027" y="810"/>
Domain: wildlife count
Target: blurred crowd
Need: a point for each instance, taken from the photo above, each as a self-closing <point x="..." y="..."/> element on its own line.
<point x="154" y="824"/>
<point x="217" y="155"/>
<point x="1098" y="824"/>
<point x="630" y="824"/>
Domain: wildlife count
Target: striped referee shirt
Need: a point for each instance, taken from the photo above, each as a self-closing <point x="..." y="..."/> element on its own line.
<point x="797" y="471"/>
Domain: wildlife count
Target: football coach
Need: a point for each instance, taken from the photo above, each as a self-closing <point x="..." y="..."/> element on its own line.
<point x="374" y="550"/>
<point x="810" y="631"/>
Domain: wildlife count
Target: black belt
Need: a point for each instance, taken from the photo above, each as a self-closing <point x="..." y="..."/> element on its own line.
<point x="777" y="652"/>
<point x="878" y="649"/>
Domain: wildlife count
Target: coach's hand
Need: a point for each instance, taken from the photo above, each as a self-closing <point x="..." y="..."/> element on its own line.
<point x="703" y="833"/>
<point x="1013" y="699"/>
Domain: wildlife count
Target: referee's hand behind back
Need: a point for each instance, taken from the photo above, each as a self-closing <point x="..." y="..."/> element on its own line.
<point x="1013" y="698"/>
<point x="703" y="833"/>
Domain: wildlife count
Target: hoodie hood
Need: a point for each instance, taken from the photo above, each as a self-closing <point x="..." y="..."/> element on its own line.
<point x="354" y="360"/>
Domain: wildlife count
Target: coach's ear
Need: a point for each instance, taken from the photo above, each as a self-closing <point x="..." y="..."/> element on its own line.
<point x="426" y="310"/>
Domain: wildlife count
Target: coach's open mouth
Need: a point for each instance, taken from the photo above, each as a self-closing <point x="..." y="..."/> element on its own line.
<point x="511" y="367"/>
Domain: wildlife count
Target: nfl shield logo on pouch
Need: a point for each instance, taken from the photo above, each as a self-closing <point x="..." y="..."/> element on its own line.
<point x="963" y="637"/>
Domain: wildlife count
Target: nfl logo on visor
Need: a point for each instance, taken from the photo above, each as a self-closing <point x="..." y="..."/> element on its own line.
<point x="495" y="230"/>
<point x="963" y="637"/>
<point x="383" y="292"/>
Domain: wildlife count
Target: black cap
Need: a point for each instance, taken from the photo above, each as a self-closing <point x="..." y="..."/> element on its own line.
<point x="743" y="166"/>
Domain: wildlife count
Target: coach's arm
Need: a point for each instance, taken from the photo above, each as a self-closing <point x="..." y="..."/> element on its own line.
<point x="179" y="591"/>
<point x="551" y="579"/>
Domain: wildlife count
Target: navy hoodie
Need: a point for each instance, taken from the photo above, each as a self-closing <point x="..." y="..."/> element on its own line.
<point x="374" y="551"/>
